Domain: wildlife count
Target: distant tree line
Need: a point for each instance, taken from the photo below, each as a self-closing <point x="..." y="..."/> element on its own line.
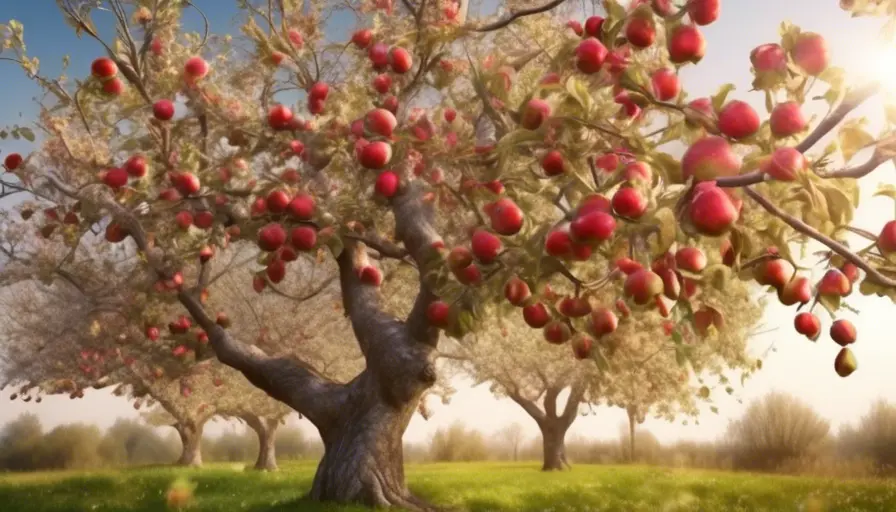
<point x="26" y="446"/>
<point x="776" y="433"/>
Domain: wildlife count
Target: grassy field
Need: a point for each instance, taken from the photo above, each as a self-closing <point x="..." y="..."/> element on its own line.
<point x="473" y="487"/>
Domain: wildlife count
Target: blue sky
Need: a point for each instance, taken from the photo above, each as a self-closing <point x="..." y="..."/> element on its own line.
<point x="797" y="366"/>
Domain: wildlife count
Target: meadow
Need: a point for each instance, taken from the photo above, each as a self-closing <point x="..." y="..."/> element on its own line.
<point x="479" y="487"/>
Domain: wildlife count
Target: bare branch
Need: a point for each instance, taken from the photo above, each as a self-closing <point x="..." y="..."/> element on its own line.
<point x="503" y="22"/>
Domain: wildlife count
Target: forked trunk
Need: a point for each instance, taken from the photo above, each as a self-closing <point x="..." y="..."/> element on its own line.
<point x="266" y="429"/>
<point x="363" y="460"/>
<point x="190" y="438"/>
<point x="553" y="435"/>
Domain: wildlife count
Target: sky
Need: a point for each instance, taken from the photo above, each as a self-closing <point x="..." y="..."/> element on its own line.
<point x="795" y="365"/>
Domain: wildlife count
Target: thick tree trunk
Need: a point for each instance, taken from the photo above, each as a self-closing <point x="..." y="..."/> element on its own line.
<point x="553" y="435"/>
<point x="363" y="459"/>
<point x="190" y="437"/>
<point x="266" y="429"/>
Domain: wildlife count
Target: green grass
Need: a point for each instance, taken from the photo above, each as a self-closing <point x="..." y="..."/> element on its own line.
<point x="475" y="487"/>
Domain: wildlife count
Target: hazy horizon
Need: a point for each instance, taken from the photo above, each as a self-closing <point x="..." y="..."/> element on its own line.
<point x="796" y="366"/>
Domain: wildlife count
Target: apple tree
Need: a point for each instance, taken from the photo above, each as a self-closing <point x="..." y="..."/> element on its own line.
<point x="516" y="148"/>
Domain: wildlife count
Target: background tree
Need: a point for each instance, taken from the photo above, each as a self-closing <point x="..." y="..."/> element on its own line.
<point x="872" y="437"/>
<point x="463" y="153"/>
<point x="652" y="370"/>
<point x="776" y="429"/>
<point x="512" y="436"/>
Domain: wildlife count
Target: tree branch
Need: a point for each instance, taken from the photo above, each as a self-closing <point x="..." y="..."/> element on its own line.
<point x="503" y="22"/>
<point x="850" y="103"/>
<point x="813" y="233"/>
<point x="528" y="406"/>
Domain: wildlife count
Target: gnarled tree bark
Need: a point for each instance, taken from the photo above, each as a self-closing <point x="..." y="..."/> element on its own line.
<point x="266" y="429"/>
<point x="191" y="438"/>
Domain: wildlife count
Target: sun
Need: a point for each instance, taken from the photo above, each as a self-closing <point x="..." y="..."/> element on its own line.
<point x="880" y="66"/>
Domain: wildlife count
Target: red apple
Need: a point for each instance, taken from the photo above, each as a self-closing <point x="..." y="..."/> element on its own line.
<point x="704" y="12"/>
<point x="557" y="332"/>
<point x="206" y="254"/>
<point x="712" y="211"/>
<point x="776" y="273"/>
<point x="769" y="58"/>
<point x="629" y="202"/>
<point x="785" y="164"/>
<point x="204" y="219"/>
<point x="643" y="286"/>
<point x="690" y="259"/>
<point x="113" y="87"/>
<point x="271" y="237"/>
<point x="469" y="275"/>
<point x="103" y="68"/>
<point x="663" y="8"/>
<point x="370" y="275"/>
<point x="387" y="184"/>
<point x="184" y="220"/>
<point x="886" y="240"/>
<point x="738" y="120"/>
<point x="534" y="114"/>
<point x="536" y="315"/>
<point x="506" y="217"/>
<point x="637" y="171"/>
<point x="301" y="207"/>
<point x="295" y="37"/>
<point x="593" y="26"/>
<point x="375" y="155"/>
<point x="590" y="56"/>
<point x="277" y="201"/>
<point x="486" y="246"/>
<point x="808" y="325"/>
<point x="558" y="244"/>
<point x="787" y="119"/>
<point x="686" y="44"/>
<point x="400" y="59"/>
<point x="115" y="178"/>
<point x="186" y="183"/>
<point x="810" y="52"/>
<point x="593" y="227"/>
<point x="163" y="110"/>
<point x="581" y="346"/>
<point x="835" y="284"/>
<point x="603" y="321"/>
<point x="797" y="290"/>
<point x="362" y="38"/>
<point x="381" y="122"/>
<point x="196" y="67"/>
<point x="594" y="203"/>
<point x="575" y="26"/>
<point x="437" y="314"/>
<point x="136" y="166"/>
<point x="552" y="163"/>
<point x="640" y="31"/>
<point x="115" y="233"/>
<point x="280" y="117"/>
<point x="319" y="91"/>
<point x="379" y="56"/>
<point x="710" y="158"/>
<point x="843" y="332"/>
<point x="516" y="291"/>
<point x="13" y="161"/>
<point x="276" y="270"/>
<point x="665" y="84"/>
<point x="303" y="238"/>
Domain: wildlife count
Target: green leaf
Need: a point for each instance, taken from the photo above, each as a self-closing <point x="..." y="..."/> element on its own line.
<point x="769" y="102"/>
<point x="885" y="189"/>
<point x="579" y="92"/>
<point x="714" y="409"/>
<point x="718" y="275"/>
<point x="676" y="337"/>
<point x="27" y="134"/>
<point x="601" y="361"/>
<point x="852" y="138"/>
<point x="680" y="358"/>
<point x="719" y="99"/>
